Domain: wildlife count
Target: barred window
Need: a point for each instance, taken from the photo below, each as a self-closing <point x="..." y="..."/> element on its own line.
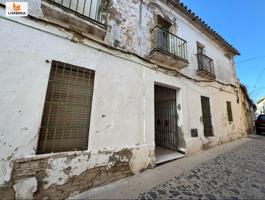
<point x="229" y="111"/>
<point x="67" y="109"/>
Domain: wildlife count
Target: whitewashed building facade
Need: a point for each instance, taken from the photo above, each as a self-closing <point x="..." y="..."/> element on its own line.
<point x="93" y="91"/>
<point x="260" y="106"/>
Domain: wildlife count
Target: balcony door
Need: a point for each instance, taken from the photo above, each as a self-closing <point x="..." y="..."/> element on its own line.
<point x="164" y="34"/>
<point x="199" y="49"/>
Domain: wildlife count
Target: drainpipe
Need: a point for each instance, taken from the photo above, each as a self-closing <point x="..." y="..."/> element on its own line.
<point x="140" y="24"/>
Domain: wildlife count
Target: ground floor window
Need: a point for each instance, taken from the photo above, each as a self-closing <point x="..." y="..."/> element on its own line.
<point x="66" y="116"/>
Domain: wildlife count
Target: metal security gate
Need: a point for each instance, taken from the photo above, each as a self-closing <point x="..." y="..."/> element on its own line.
<point x="206" y="116"/>
<point x="165" y="118"/>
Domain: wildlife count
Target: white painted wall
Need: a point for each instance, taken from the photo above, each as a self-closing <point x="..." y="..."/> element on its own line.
<point x="25" y="76"/>
<point x="133" y="21"/>
<point x="260" y="107"/>
<point x="124" y="90"/>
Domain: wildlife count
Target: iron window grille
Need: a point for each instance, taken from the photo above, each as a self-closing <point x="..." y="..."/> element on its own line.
<point x="66" y="116"/>
<point x="92" y="10"/>
<point x="169" y="43"/>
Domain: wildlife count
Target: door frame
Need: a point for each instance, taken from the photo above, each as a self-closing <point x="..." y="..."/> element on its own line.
<point x="176" y="146"/>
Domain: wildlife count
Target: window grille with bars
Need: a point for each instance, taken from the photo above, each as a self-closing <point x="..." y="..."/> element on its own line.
<point x="67" y="109"/>
<point x="229" y="111"/>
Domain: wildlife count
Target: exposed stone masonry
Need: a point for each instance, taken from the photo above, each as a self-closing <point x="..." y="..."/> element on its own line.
<point x="24" y="170"/>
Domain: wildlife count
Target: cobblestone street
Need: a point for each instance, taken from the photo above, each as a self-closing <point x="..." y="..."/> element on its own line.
<point x="235" y="170"/>
<point x="235" y="174"/>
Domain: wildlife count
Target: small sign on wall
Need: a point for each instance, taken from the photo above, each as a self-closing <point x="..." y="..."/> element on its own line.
<point x="194" y="132"/>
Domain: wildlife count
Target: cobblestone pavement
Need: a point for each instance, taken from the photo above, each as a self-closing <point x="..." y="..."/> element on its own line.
<point x="236" y="174"/>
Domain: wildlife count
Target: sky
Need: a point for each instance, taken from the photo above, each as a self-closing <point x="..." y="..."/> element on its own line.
<point x="242" y="24"/>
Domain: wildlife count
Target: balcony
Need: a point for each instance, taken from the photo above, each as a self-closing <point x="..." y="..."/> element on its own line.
<point x="86" y="15"/>
<point x="168" y="49"/>
<point x="205" y="66"/>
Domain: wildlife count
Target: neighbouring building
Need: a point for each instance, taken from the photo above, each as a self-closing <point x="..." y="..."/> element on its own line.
<point x="250" y="110"/>
<point x="260" y="106"/>
<point x="93" y="91"/>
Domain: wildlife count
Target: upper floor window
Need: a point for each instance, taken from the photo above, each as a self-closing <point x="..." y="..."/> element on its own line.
<point x="163" y="23"/>
<point x="205" y="63"/>
<point x="200" y="48"/>
<point x="167" y="48"/>
<point x="229" y="58"/>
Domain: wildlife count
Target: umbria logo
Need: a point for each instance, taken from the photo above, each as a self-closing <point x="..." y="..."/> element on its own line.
<point x="16" y="9"/>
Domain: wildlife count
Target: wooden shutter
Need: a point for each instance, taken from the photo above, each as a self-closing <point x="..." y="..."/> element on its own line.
<point x="66" y="115"/>
<point x="206" y="115"/>
<point x="229" y="111"/>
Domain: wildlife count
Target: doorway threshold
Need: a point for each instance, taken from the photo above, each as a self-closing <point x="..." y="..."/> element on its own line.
<point x="164" y="155"/>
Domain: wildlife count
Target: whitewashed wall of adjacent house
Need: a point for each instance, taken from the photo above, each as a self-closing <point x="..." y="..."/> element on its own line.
<point x="260" y="107"/>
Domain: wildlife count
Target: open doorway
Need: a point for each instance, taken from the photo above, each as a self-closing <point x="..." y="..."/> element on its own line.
<point x="166" y="131"/>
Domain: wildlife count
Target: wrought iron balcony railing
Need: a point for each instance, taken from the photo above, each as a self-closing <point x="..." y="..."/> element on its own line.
<point x="205" y="64"/>
<point x="165" y="41"/>
<point x="92" y="10"/>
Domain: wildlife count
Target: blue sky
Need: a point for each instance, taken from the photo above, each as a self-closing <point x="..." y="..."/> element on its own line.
<point x="242" y="24"/>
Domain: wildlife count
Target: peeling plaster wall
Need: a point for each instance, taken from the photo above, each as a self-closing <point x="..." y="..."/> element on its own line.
<point x="122" y="115"/>
<point x="123" y="25"/>
<point x="68" y="173"/>
<point x="129" y="28"/>
<point x="190" y="114"/>
<point x="25" y="73"/>
<point x="130" y="23"/>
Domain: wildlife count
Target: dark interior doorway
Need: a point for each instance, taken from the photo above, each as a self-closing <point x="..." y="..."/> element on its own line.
<point x="166" y="132"/>
<point x="165" y="118"/>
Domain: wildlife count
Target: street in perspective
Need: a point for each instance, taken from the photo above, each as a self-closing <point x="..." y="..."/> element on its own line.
<point x="231" y="171"/>
<point x="136" y="99"/>
<point x="236" y="174"/>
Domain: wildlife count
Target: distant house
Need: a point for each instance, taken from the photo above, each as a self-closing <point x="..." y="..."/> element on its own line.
<point x="260" y="106"/>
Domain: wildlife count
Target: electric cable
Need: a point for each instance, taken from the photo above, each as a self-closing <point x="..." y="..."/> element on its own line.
<point x="250" y="59"/>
